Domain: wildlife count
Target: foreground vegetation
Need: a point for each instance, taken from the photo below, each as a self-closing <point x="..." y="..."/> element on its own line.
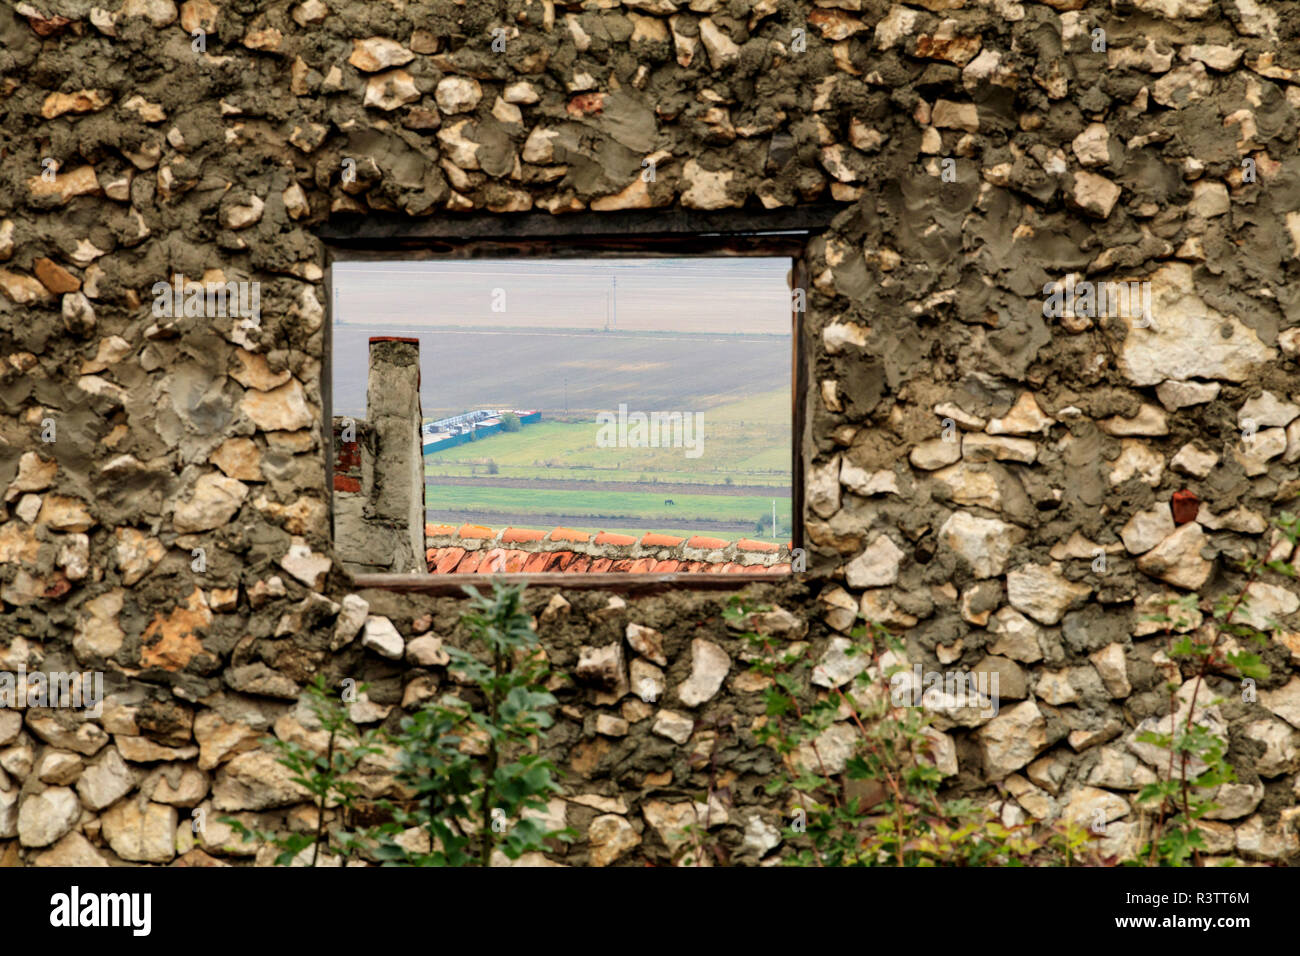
<point x="476" y="785"/>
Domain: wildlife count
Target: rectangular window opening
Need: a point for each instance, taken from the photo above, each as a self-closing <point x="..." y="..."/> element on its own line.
<point x="611" y="418"/>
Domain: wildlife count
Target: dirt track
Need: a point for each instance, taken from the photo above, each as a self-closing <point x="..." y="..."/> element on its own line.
<point x="501" y="519"/>
<point x="564" y="484"/>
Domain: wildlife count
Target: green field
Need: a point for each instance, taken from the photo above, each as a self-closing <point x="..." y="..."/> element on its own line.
<point x="740" y="442"/>
<point x="745" y="444"/>
<point x="621" y="505"/>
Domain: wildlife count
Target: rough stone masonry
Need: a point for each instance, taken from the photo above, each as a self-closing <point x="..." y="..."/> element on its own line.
<point x="993" y="479"/>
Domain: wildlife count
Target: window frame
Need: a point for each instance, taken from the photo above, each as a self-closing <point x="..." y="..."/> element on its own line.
<point x="784" y="233"/>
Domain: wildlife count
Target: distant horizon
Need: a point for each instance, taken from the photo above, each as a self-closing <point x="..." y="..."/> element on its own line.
<point x="576" y="337"/>
<point x="687" y="296"/>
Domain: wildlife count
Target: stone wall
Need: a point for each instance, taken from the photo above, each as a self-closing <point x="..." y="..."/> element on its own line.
<point x="379" y="475"/>
<point x="1010" y="488"/>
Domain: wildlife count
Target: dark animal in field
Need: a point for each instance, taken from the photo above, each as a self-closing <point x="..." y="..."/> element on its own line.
<point x="669" y="501"/>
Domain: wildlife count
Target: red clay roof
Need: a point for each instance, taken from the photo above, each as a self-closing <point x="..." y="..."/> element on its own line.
<point x="472" y="549"/>
<point x="712" y="544"/>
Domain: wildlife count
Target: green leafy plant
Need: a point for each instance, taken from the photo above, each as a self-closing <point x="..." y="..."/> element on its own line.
<point x="886" y="811"/>
<point x="472" y="772"/>
<point x="1185" y="794"/>
<point x="324" y="774"/>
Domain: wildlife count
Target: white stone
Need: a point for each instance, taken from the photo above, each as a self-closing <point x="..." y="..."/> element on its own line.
<point x="609" y="837"/>
<point x="877" y="566"/>
<point x="838" y="336"/>
<point x="970" y="484"/>
<point x="1012" y="739"/>
<point x="1177" y="559"/>
<point x="1280" y="753"/>
<point x="383" y="638"/>
<point x="935" y="453"/>
<point x="722" y="50"/>
<point x="984" y="544"/>
<point x="1186" y="338"/>
<point x="1265" y="605"/>
<point x="978" y="447"/>
<point x="391" y="90"/>
<point x="45" y="817"/>
<point x="1095" y="195"/>
<point x="837" y="666"/>
<point x="427" y="651"/>
<point x="1174" y="395"/>
<point x="676" y="727"/>
<point x="1149" y="421"/>
<point x="1190" y="460"/>
<point x="823" y="488"/>
<point x="1112" y="667"/>
<point x="142" y="834"/>
<point x="830" y="751"/>
<point x="1137" y="460"/>
<point x="104" y="780"/>
<point x="304" y="564"/>
<point x="1182" y="86"/>
<point x="1023" y="418"/>
<point x="868" y="484"/>
<point x="1092" y="145"/>
<point x="1148" y="528"/>
<point x="378" y="53"/>
<point x="1267" y="410"/>
<point x="213" y="502"/>
<point x="458" y="94"/>
<point x="709" y="666"/>
<point x="1017" y="636"/>
<point x="352" y="617"/>
<point x="1043" y="592"/>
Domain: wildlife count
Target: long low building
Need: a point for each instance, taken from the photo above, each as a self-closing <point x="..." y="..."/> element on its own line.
<point x="472" y="426"/>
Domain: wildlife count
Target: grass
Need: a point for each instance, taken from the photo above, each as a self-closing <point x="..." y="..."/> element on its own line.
<point x="749" y="441"/>
<point x="627" y="506"/>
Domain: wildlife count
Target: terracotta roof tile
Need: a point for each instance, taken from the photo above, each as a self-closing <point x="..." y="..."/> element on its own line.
<point x="448" y="559"/>
<point x="494" y="561"/>
<point x="653" y="540"/>
<point x="482" y="551"/>
<point x="540" y="561"/>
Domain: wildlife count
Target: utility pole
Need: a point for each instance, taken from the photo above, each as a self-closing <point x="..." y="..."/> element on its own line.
<point x="774" y="517"/>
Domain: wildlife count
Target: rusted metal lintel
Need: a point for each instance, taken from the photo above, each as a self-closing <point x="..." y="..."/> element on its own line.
<point x="642" y="226"/>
